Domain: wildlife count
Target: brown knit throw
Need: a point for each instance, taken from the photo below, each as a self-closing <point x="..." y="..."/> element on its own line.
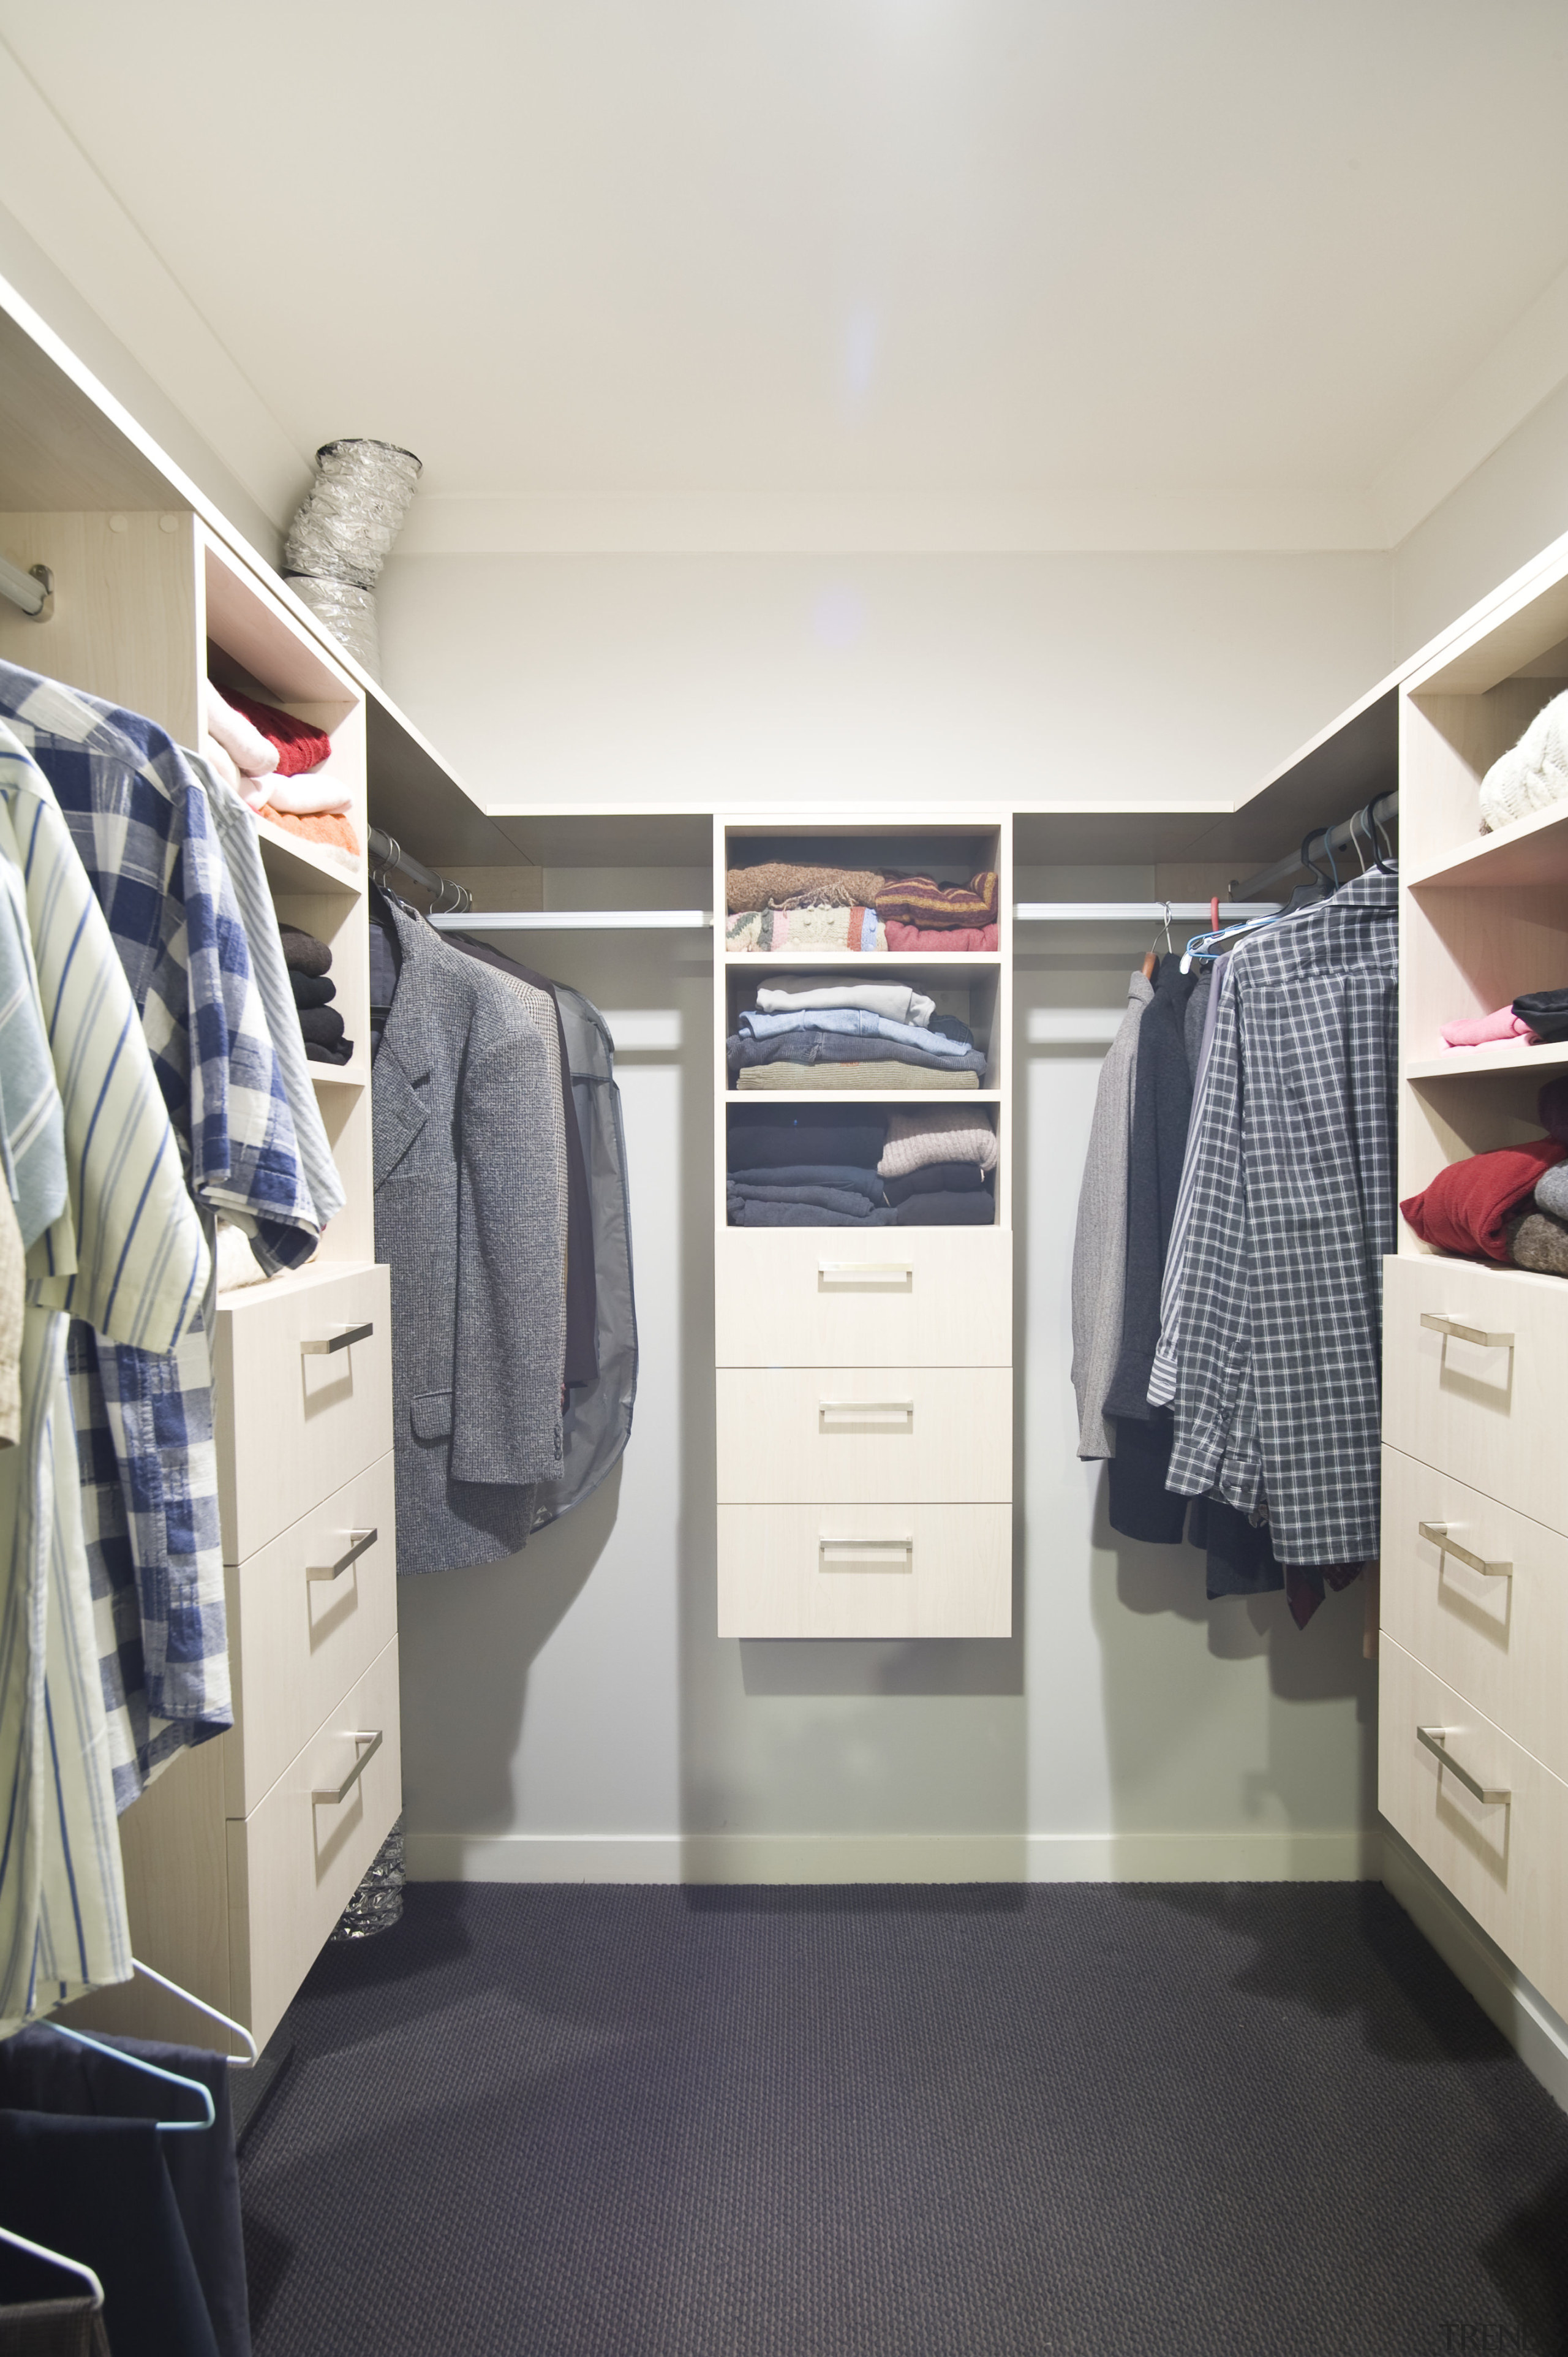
<point x="781" y="884"/>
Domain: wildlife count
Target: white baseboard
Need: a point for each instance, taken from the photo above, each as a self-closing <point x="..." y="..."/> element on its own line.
<point x="1260" y="1856"/>
<point x="1535" y="2028"/>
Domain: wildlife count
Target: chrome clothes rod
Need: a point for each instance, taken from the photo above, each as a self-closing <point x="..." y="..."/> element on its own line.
<point x="574" y="920"/>
<point x="32" y="590"/>
<point x="1130" y="912"/>
<point x="1349" y="835"/>
<point x="387" y="857"/>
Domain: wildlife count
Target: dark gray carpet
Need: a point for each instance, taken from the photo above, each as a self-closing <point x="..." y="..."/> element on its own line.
<point x="985" y="2121"/>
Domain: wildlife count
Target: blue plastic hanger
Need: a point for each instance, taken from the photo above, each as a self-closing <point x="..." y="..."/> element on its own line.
<point x="55" y="2259"/>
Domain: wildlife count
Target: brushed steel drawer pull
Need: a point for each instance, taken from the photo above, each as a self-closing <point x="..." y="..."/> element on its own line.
<point x="318" y="1345"/>
<point x="849" y="1554"/>
<point x="1441" y="1535"/>
<point x="341" y="1792"/>
<point x="1436" y="1740"/>
<point x="1462" y="1333"/>
<point x="866" y="1272"/>
<point x="837" y="1413"/>
<point x="359" y="1543"/>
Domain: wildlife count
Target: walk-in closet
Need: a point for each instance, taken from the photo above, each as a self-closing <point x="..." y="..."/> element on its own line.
<point x="784" y="1109"/>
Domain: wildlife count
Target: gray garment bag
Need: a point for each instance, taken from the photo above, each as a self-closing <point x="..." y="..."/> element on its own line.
<point x="598" y="1422"/>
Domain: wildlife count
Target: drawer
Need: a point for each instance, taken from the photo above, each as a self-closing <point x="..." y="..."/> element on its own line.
<point x="1502" y="1859"/>
<point x="898" y="1298"/>
<point x="297" y="1860"/>
<point x="932" y="1434"/>
<point x="298" y="1640"/>
<point x="1500" y="1640"/>
<point x="297" y="1417"/>
<point x="1479" y="1403"/>
<point x="883" y="1570"/>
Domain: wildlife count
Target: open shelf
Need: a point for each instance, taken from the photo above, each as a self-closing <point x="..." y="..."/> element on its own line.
<point x="353" y="1075"/>
<point x="1509" y="1056"/>
<point x="1534" y="850"/>
<point x="873" y="965"/>
<point x="863" y="1096"/>
<point x="294" y="865"/>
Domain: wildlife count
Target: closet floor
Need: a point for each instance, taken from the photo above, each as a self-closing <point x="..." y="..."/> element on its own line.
<point x="577" y="2120"/>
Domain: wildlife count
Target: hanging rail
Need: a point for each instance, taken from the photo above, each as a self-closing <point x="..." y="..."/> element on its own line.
<point x="387" y="857"/>
<point x="1133" y="912"/>
<point x="573" y="920"/>
<point x="32" y="590"/>
<point x="1358" y="833"/>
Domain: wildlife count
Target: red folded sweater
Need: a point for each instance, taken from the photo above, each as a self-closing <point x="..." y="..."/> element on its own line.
<point x="1466" y="1206"/>
<point x="300" y="745"/>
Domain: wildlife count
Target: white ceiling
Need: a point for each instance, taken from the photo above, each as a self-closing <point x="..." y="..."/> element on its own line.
<point x="843" y="257"/>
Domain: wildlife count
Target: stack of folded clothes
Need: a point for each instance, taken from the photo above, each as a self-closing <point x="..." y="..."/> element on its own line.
<point x="309" y="963"/>
<point x="785" y="905"/>
<point x="821" y="1032"/>
<point x="916" y="913"/>
<point x="938" y="1168"/>
<point x="281" y="767"/>
<point x="790" y="1167"/>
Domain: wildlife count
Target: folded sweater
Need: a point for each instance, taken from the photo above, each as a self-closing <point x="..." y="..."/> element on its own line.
<point x="915" y="1139"/>
<point x="816" y="1047"/>
<point x="786" y="883"/>
<point x="848" y="1176"/>
<point x="1538" y="1240"/>
<point x="311" y="989"/>
<point x="976" y="1210"/>
<point x="322" y="1024"/>
<point x="847" y="1200"/>
<point x="919" y="900"/>
<point x="330" y="828"/>
<point x="1467" y="1206"/>
<point x="1551" y="1191"/>
<point x="802" y="1215"/>
<point x="854" y="928"/>
<point x="950" y="939"/>
<point x="302" y="953"/>
<point x="895" y="999"/>
<point x="1483" y="1030"/>
<point x="771" y="1137"/>
<point x="1544" y="1012"/>
<point x="299" y="743"/>
<point x="936" y="1178"/>
<point x="858" y="1023"/>
<point x="316" y="1053"/>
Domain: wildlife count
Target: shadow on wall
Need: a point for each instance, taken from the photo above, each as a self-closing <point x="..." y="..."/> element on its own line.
<point x="517" y="1604"/>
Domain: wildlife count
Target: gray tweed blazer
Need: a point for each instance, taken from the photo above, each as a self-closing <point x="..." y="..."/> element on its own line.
<point x="468" y="1221"/>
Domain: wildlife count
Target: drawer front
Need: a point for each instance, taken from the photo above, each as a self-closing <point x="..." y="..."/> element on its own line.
<point x="898" y="1298"/>
<point x="1497" y="1636"/>
<point x="884" y="1570"/>
<point x="296" y="1417"/>
<point x="1503" y="1859"/>
<point x="798" y="1434"/>
<point x="297" y="1860"/>
<point x="1482" y="1409"/>
<point x="302" y="1630"/>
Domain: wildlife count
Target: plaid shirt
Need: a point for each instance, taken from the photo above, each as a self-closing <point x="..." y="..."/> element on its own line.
<point x="125" y="1249"/>
<point x="141" y="826"/>
<point x="1280" y="1308"/>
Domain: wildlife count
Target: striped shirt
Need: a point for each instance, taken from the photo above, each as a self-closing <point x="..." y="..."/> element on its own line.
<point x="126" y="1250"/>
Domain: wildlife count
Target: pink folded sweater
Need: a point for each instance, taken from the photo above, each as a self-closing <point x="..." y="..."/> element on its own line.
<point x="1486" y="1029"/>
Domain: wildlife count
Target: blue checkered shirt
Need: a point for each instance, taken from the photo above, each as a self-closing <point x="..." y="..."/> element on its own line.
<point x="140" y="823"/>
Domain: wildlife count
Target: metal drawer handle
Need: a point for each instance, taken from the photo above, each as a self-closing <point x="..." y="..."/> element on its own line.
<point x="318" y="1345"/>
<point x="843" y="1555"/>
<point x="835" y="1413"/>
<point x="360" y="1543"/>
<point x="866" y="1272"/>
<point x="357" y="1770"/>
<point x="1435" y="1739"/>
<point x="1440" y="1535"/>
<point x="1462" y="1333"/>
